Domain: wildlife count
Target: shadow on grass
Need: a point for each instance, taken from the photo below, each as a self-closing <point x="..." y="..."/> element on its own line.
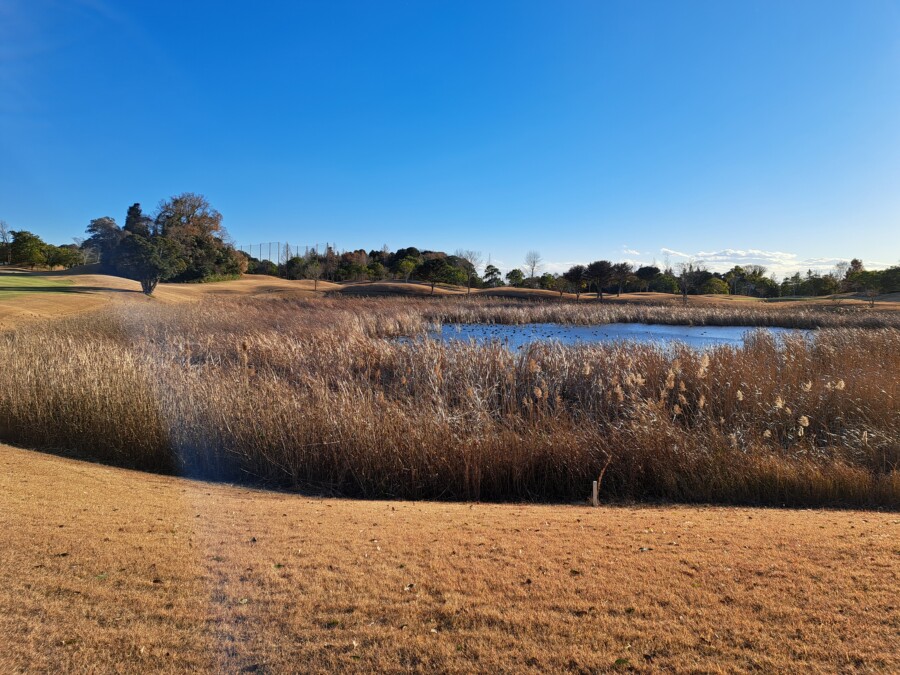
<point x="62" y="289"/>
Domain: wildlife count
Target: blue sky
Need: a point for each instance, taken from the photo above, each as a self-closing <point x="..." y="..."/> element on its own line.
<point x="756" y="131"/>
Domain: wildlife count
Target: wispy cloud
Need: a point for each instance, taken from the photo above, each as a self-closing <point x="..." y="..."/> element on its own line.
<point x="780" y="263"/>
<point x="560" y="267"/>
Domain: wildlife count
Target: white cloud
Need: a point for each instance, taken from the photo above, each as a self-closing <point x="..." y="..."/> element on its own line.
<point x="559" y="267"/>
<point x="780" y="263"/>
<point x="673" y="253"/>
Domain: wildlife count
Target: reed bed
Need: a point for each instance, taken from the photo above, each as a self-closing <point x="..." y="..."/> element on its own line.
<point x="309" y="394"/>
<point x="490" y="310"/>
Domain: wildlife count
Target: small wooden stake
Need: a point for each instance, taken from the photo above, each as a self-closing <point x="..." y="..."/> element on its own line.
<point x="595" y="501"/>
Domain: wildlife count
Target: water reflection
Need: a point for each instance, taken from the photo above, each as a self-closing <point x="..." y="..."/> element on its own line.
<point x="517" y="336"/>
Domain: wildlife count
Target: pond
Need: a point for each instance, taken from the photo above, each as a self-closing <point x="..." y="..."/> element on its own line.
<point x="514" y="337"/>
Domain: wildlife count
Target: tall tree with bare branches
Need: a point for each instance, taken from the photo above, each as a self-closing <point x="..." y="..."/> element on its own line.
<point x="534" y="263"/>
<point x="474" y="259"/>
<point x="5" y="240"/>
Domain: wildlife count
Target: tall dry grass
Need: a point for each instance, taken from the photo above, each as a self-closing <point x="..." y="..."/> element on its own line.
<point x="309" y="394"/>
<point x="503" y="311"/>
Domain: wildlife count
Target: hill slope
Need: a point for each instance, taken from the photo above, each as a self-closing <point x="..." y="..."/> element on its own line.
<point x="25" y="296"/>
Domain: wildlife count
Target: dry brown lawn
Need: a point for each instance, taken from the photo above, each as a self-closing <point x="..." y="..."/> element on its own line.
<point x="411" y="288"/>
<point x="107" y="570"/>
<point x="86" y="292"/>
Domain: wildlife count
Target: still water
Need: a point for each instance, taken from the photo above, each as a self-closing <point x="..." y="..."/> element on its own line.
<point x="515" y="337"/>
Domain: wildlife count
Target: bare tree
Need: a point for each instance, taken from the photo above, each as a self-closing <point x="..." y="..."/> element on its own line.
<point x="870" y="282"/>
<point x="89" y="254"/>
<point x="6" y="239"/>
<point x="534" y="262"/>
<point x="561" y="284"/>
<point x="313" y="271"/>
<point x="474" y="259"/>
<point x="840" y="274"/>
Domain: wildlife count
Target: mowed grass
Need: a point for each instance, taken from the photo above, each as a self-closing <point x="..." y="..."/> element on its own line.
<point x="108" y="570"/>
<point x="12" y="285"/>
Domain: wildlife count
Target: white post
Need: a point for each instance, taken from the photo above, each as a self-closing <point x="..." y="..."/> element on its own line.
<point x="595" y="501"/>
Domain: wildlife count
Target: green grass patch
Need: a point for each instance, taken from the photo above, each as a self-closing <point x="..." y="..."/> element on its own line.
<point x="12" y="285"/>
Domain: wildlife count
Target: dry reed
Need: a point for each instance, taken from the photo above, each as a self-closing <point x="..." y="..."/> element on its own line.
<point x="308" y="394"/>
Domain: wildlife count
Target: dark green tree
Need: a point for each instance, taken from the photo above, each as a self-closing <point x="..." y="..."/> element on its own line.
<point x="150" y="260"/>
<point x="547" y="281"/>
<point x="714" y="286"/>
<point x="257" y="266"/>
<point x="67" y="256"/>
<point x="515" y="277"/>
<point x="560" y="285"/>
<point x="136" y="222"/>
<point x="295" y="268"/>
<point x="492" y="277"/>
<point x="600" y="274"/>
<point x="27" y="249"/>
<point x="890" y="279"/>
<point x="402" y="254"/>
<point x="622" y="273"/>
<point x="439" y="271"/>
<point x="576" y="276"/>
<point x="105" y="237"/>
<point x="70" y="255"/>
<point x="406" y="267"/>
<point x="665" y="282"/>
<point x="691" y="277"/>
<point x="647" y="275"/>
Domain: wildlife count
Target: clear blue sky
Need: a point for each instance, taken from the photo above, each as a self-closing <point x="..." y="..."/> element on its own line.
<point x="580" y="129"/>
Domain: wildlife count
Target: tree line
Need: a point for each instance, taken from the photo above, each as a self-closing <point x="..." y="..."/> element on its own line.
<point x="183" y="241"/>
<point x="600" y="277"/>
<point x="21" y="247"/>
